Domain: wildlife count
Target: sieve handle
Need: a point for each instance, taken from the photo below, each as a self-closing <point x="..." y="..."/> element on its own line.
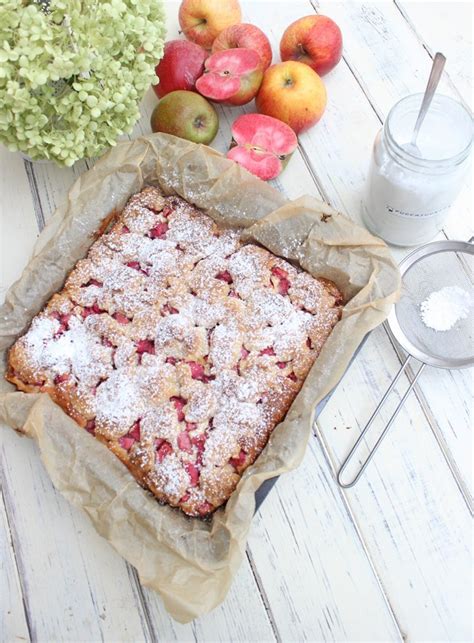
<point x="347" y="485"/>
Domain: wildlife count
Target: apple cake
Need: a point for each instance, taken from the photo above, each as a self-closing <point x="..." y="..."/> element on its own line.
<point x="178" y="346"/>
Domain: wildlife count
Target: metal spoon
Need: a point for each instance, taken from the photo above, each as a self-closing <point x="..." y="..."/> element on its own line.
<point x="433" y="81"/>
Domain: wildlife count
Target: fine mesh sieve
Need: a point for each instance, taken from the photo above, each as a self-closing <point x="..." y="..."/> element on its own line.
<point x="429" y="268"/>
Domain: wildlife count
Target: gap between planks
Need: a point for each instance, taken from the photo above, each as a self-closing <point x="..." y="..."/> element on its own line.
<point x="263" y="595"/>
<point x="16" y="560"/>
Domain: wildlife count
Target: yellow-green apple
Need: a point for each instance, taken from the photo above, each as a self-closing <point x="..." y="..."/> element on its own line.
<point x="187" y="115"/>
<point x="247" y="36"/>
<point x="262" y="144"/>
<point x="313" y="40"/>
<point x="180" y="67"/>
<point x="202" y="20"/>
<point x="232" y="76"/>
<point x="293" y="93"/>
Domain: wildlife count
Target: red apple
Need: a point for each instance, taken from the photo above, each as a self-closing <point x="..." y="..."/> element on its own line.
<point x="247" y="36"/>
<point x="202" y="20"/>
<point x="187" y="115"/>
<point x="180" y="67"/>
<point x="232" y="76"/>
<point x="262" y="144"/>
<point x="293" y="93"/>
<point x="313" y="40"/>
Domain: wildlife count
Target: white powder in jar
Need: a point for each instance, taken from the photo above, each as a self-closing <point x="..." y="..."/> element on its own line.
<point x="409" y="193"/>
<point x="442" y="309"/>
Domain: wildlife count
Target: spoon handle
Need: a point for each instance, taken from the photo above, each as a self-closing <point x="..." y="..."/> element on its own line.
<point x="436" y="71"/>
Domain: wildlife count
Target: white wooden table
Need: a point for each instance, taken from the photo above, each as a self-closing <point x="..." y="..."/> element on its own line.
<point x="388" y="560"/>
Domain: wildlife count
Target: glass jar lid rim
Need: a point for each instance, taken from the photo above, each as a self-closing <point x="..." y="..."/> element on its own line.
<point x="401" y="151"/>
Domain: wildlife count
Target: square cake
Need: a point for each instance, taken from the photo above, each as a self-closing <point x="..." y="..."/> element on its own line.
<point x="177" y="346"/>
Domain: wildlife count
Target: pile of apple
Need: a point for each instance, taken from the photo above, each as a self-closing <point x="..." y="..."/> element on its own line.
<point x="289" y="96"/>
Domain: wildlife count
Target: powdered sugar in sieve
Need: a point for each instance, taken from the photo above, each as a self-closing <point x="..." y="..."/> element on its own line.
<point x="445" y="307"/>
<point x="437" y="295"/>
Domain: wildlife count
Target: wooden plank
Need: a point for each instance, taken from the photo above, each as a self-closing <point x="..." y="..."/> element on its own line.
<point x="313" y="564"/>
<point x="17" y="220"/>
<point x="407" y="505"/>
<point x="238" y="618"/>
<point x="450" y="32"/>
<point x="13" y="620"/>
<point x="392" y="63"/>
<point x="74" y="582"/>
<point x="49" y="184"/>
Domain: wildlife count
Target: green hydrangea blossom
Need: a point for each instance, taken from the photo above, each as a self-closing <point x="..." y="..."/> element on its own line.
<point x="73" y="72"/>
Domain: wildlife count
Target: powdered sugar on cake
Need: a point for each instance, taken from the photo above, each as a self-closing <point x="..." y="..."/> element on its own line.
<point x="178" y="347"/>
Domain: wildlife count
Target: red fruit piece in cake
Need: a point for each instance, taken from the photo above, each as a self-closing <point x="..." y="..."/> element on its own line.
<point x="63" y="319"/>
<point x="193" y="473"/>
<point x="244" y="353"/>
<point x="159" y="231"/>
<point x="146" y="346"/>
<point x="283" y="281"/>
<point x="126" y="442"/>
<point x="90" y="427"/>
<point x="225" y="276"/>
<point x="167" y="309"/>
<point x="281" y="364"/>
<point x="262" y="144"/>
<point x="267" y="351"/>
<point x="61" y="378"/>
<point x="121" y="318"/>
<point x="239" y="461"/>
<point x="292" y="377"/>
<point x="191" y="426"/>
<point x="91" y="310"/>
<point x="163" y="450"/>
<point x="93" y="282"/>
<point x="179" y="404"/>
<point x="167" y="210"/>
<point x="136" y="266"/>
<point x="197" y="371"/>
<point x="184" y="442"/>
<point x="232" y="77"/>
<point x="204" y="508"/>
<point x="185" y="498"/>
<point x="199" y="442"/>
<point x="135" y="431"/>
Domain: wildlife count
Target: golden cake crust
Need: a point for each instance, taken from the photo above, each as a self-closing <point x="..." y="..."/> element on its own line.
<point x="178" y="347"/>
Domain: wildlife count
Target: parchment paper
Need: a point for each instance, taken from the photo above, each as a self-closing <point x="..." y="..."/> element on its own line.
<point x="189" y="562"/>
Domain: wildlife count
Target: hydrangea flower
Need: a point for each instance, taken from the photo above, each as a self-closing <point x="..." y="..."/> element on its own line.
<point x="72" y="73"/>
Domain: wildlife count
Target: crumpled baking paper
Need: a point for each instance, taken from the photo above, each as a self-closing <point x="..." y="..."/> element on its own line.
<point x="189" y="562"/>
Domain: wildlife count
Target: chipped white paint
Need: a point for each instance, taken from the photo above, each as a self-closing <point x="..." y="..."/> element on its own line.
<point x="385" y="561"/>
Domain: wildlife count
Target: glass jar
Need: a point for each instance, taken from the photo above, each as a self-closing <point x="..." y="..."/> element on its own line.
<point x="408" y="195"/>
